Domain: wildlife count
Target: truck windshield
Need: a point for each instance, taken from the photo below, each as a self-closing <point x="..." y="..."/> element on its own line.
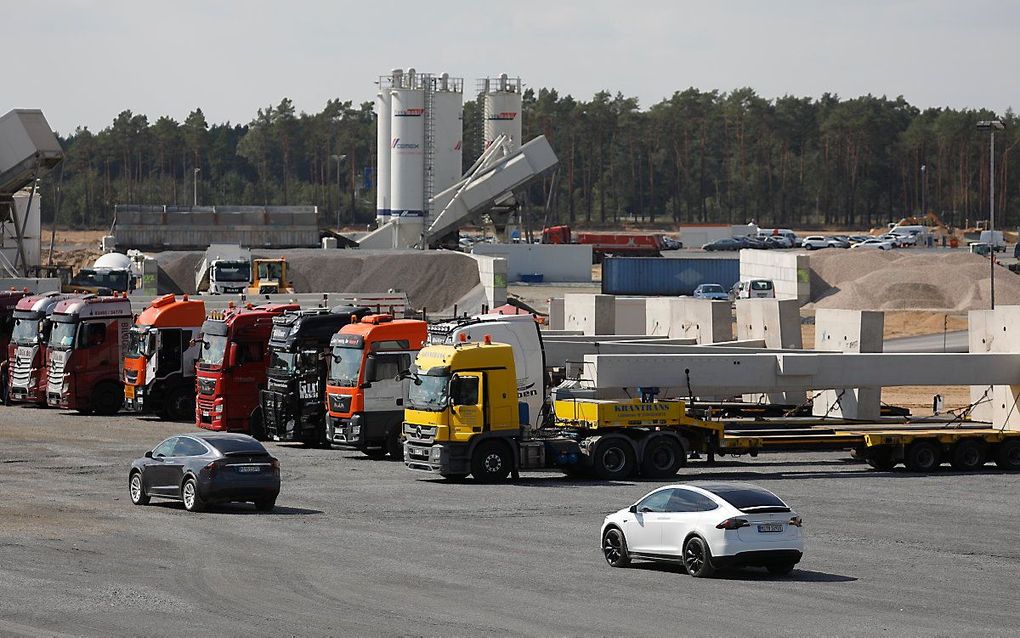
<point x="272" y="270"/>
<point x="142" y="343"/>
<point x="62" y="334"/>
<point x="112" y="279"/>
<point x="428" y="393"/>
<point x="26" y="332"/>
<point x="283" y="361"/>
<point x="232" y="272"/>
<point x="345" y="366"/>
<point x="213" y="349"/>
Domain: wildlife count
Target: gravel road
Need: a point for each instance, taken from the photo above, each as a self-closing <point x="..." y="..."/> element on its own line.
<point x="361" y="547"/>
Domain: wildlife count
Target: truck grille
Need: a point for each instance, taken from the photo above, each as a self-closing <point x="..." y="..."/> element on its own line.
<point x="131" y="376"/>
<point x="422" y="434"/>
<point x="206" y="385"/>
<point x="340" y="403"/>
<point x="55" y="380"/>
<point x="21" y="371"/>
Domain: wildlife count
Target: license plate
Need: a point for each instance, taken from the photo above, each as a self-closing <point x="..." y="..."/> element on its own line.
<point x="129" y="391"/>
<point x="770" y="527"/>
<point x="249" y="468"/>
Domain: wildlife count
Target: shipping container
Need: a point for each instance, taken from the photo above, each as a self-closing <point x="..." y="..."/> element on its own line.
<point x="666" y="277"/>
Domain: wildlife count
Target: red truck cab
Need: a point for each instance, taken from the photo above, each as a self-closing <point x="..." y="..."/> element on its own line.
<point x="8" y="302"/>
<point x="88" y="339"/>
<point x="27" y="354"/>
<point x="232" y="364"/>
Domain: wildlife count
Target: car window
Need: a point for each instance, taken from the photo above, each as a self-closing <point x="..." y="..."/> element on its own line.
<point x="683" y="500"/>
<point x="165" y="448"/>
<point x="655" y="502"/>
<point x="234" y="445"/>
<point x="188" y="447"/>
<point x="748" y="497"/>
<point x="760" y="284"/>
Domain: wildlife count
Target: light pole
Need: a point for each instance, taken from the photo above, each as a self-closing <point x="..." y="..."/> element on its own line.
<point x="194" y="203"/>
<point x="991" y="126"/>
<point x="339" y="195"/>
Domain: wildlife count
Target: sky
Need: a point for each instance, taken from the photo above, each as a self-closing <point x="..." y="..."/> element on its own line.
<point x="82" y="62"/>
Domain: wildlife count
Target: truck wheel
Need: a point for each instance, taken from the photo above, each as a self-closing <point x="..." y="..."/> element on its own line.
<point x="490" y="462"/>
<point x="613" y="459"/>
<point x="1007" y="455"/>
<point x="968" y="454"/>
<point x="662" y="458"/>
<point x="881" y="458"/>
<point x="374" y="452"/>
<point x="256" y="426"/>
<point x="922" y="456"/>
<point x="179" y="405"/>
<point x="394" y="446"/>
<point x="107" y="399"/>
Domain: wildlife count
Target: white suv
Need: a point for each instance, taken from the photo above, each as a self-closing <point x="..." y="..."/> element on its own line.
<point x="706" y="526"/>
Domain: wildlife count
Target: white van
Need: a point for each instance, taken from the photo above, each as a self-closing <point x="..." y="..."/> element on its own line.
<point x="993" y="238"/>
<point x="753" y="289"/>
<point x="787" y="234"/>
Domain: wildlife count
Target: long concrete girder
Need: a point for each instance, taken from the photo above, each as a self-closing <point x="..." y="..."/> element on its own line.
<point x="724" y="374"/>
<point x="559" y="352"/>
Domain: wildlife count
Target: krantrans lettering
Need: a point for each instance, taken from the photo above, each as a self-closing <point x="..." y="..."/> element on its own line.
<point x="641" y="407"/>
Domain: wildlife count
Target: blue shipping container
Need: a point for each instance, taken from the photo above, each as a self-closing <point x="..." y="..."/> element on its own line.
<point x="655" y="276"/>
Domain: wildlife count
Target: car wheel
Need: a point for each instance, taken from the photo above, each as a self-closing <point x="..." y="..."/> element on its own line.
<point x="1007" y="454"/>
<point x="490" y="462"/>
<point x="136" y="490"/>
<point x="179" y="405"/>
<point x="881" y="458"/>
<point x="662" y="458"/>
<point x="922" y="456"/>
<point x="613" y="459"/>
<point x="189" y="494"/>
<point x="265" y="504"/>
<point x="780" y="569"/>
<point x="614" y="548"/>
<point x="697" y="558"/>
<point x="107" y="399"/>
<point x="968" y="455"/>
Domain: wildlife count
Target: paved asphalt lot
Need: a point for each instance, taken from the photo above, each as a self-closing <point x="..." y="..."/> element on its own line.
<point x="361" y="547"/>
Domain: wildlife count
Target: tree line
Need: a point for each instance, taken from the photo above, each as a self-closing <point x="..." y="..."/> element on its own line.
<point x="696" y="157"/>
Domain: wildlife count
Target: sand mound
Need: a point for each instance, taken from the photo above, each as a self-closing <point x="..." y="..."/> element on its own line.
<point x="900" y="280"/>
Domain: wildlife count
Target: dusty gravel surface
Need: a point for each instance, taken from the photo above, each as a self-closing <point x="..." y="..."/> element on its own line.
<point x="360" y="547"/>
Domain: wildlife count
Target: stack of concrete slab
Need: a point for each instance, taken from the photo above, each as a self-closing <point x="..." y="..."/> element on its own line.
<point x="789" y="272"/>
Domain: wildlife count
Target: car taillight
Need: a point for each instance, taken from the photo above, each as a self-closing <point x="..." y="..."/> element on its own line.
<point x="796" y="521"/>
<point x="210" y="469"/>
<point x="733" y="523"/>
<point x="275" y="464"/>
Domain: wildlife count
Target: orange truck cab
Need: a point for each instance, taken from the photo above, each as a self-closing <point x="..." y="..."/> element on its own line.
<point x="366" y="388"/>
<point x="232" y="364"/>
<point x="8" y="302"/>
<point x="159" y="368"/>
<point x="88" y="339"/>
<point x="27" y="350"/>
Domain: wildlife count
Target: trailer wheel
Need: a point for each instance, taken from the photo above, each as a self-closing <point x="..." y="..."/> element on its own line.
<point x="179" y="405"/>
<point x="662" y="458"/>
<point x="1007" y="454"/>
<point x="968" y="454"/>
<point x="491" y="461"/>
<point x="881" y="458"/>
<point x="107" y="399"/>
<point x="922" y="456"/>
<point x="613" y="459"/>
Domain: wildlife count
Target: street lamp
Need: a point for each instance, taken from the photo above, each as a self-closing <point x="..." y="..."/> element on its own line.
<point x="991" y="126"/>
<point x="339" y="195"/>
<point x="194" y="203"/>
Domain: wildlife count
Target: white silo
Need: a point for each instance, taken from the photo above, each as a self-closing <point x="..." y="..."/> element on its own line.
<point x="448" y="127"/>
<point x="382" y="167"/>
<point x="502" y="101"/>
<point x="407" y="153"/>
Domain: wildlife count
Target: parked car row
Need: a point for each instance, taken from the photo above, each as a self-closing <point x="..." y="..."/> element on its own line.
<point x="750" y="289"/>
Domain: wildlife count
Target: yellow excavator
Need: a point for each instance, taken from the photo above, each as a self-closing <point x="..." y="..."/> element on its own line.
<point x="270" y="277"/>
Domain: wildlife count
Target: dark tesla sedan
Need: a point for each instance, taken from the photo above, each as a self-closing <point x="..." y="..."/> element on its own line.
<point x="205" y="468"/>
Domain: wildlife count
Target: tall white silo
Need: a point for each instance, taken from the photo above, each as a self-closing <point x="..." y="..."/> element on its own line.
<point x="448" y="136"/>
<point x="382" y="167"/>
<point x="407" y="147"/>
<point x="502" y="101"/>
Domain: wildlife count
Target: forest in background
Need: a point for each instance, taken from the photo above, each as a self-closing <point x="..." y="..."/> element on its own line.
<point x="697" y="157"/>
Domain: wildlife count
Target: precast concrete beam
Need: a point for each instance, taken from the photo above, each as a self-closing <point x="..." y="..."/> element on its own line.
<point x="703" y="319"/>
<point x="592" y="314"/>
<point x="777" y="322"/>
<point x="848" y="331"/>
<point x="995" y="331"/>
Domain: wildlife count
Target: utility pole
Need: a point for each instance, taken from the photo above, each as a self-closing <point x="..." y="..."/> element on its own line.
<point x="991" y="126"/>
<point x="194" y="201"/>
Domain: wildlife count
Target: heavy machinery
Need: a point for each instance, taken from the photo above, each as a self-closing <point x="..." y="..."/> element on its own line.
<point x="8" y="302"/>
<point x="226" y="269"/>
<point x="231" y="368"/>
<point x="28" y="349"/>
<point x="88" y="339"/>
<point x="367" y="387"/>
<point x="292" y="406"/>
<point x="112" y="272"/>
<point x="270" y="277"/>
<point x="159" y="366"/>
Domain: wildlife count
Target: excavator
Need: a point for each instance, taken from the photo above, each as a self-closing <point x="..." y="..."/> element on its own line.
<point x="270" y="277"/>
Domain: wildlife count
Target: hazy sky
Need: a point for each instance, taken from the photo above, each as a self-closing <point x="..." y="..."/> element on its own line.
<point x="83" y="62"/>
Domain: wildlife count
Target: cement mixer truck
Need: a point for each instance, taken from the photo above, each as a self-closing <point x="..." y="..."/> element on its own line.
<point x="112" y="272"/>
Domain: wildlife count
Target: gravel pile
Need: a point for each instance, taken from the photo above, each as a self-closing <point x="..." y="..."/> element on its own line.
<point x="431" y="279"/>
<point x="899" y="280"/>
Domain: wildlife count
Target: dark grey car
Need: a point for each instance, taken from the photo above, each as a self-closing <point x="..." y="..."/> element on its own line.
<point x="205" y="468"/>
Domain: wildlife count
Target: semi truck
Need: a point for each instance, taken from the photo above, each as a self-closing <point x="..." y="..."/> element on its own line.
<point x="88" y="339"/>
<point x="8" y="302"/>
<point x="619" y="244"/>
<point x="159" y="366"/>
<point x="462" y="418"/>
<point x="28" y="348"/>
<point x="366" y="389"/>
<point x="292" y="406"/>
<point x="226" y="269"/>
<point x="231" y="368"/>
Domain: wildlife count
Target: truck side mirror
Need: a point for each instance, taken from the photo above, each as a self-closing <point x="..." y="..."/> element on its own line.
<point x="370" y="369"/>
<point x="232" y="355"/>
